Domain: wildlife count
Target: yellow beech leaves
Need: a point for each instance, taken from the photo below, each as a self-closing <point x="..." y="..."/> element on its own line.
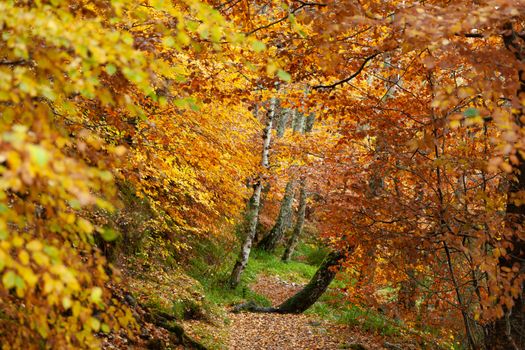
<point x="414" y="158"/>
<point x="97" y="92"/>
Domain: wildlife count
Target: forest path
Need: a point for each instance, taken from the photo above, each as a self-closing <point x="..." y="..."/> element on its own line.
<point x="262" y="331"/>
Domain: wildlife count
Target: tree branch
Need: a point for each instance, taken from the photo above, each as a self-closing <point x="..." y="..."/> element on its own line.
<point x="19" y="62"/>
<point x="346" y="80"/>
<point x="277" y="21"/>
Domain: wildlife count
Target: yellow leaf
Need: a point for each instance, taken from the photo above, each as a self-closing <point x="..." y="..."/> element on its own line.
<point x="96" y="295"/>
<point x="8" y="280"/>
<point x="34" y="246"/>
<point x="85" y="225"/>
<point x="94" y="324"/>
<point x="24" y="257"/>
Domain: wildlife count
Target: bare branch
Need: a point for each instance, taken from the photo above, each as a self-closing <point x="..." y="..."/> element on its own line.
<point x="346" y="80"/>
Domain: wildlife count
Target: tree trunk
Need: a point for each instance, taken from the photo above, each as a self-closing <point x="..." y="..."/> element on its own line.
<point x="269" y="243"/>
<point x="283" y="121"/>
<point x="306" y="297"/>
<point x="309" y="123"/>
<point x="283" y="222"/>
<point x="508" y="332"/>
<point x="298" y="229"/>
<point x="406" y="297"/>
<point x="255" y="202"/>
<point x="297" y="121"/>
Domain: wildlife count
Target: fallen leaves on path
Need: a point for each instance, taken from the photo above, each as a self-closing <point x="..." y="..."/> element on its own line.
<point x="280" y="332"/>
<point x="274" y="288"/>
<point x="268" y="331"/>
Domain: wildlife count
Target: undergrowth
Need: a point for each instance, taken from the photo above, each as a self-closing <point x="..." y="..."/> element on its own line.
<point x="332" y="306"/>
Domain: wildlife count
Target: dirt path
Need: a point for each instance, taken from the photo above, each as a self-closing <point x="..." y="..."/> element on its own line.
<point x="257" y="331"/>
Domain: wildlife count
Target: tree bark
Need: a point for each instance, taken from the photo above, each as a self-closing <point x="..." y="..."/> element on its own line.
<point x="508" y="332"/>
<point x="297" y="121"/>
<point x="309" y="123"/>
<point x="283" y="121"/>
<point x="307" y="296"/>
<point x="300" y="123"/>
<point x="269" y="243"/>
<point x="298" y="229"/>
<point x="255" y="202"/>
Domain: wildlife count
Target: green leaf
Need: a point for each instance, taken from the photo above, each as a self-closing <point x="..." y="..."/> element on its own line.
<point x="38" y="155"/>
<point x="51" y="251"/>
<point x="105" y="328"/>
<point x="169" y="41"/>
<point x="471" y="112"/>
<point x="258" y="46"/>
<point x="111" y="69"/>
<point x="9" y="279"/>
<point x="19" y="283"/>
<point x="284" y="76"/>
<point x="96" y="295"/>
<point x="109" y="234"/>
<point x="106" y="175"/>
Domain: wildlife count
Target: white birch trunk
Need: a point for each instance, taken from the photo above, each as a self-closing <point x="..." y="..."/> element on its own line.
<point x="253" y="216"/>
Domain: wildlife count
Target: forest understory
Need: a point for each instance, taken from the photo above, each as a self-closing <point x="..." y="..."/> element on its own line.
<point x="274" y="174"/>
<point x="205" y="307"/>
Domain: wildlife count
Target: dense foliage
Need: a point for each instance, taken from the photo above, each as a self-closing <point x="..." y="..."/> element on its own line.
<point x="415" y="165"/>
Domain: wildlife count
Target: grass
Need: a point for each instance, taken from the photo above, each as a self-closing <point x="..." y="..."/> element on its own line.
<point x="199" y="292"/>
<point x="293" y="271"/>
<point x="332" y="306"/>
<point x="354" y="315"/>
<point x="214" y="277"/>
<point x="215" y="280"/>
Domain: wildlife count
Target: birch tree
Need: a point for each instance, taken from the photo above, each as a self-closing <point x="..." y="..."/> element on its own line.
<point x="253" y="211"/>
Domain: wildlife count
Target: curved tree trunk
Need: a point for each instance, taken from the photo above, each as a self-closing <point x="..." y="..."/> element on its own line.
<point x="307" y="296"/>
<point x="253" y="215"/>
<point x="298" y="229"/>
<point x="270" y="241"/>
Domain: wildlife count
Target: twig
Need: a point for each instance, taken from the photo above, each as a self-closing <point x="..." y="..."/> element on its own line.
<point x="346" y="80"/>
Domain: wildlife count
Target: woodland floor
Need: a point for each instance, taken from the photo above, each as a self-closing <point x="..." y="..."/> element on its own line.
<point x="202" y="308"/>
<point x="282" y="332"/>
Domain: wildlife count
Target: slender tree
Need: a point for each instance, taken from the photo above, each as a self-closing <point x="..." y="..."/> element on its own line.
<point x="282" y="223"/>
<point x="253" y="214"/>
<point x="298" y="229"/>
<point x="301" y="212"/>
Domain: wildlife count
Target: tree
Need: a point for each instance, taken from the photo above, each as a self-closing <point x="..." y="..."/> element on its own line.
<point x="254" y="204"/>
<point x="322" y="278"/>
<point x="298" y="228"/>
<point x="309" y="294"/>
<point x="301" y="211"/>
<point x="511" y="325"/>
<point x="270" y="241"/>
<point x="455" y="79"/>
<point x="93" y="94"/>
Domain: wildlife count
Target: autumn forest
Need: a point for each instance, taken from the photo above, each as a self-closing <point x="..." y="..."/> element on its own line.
<point x="276" y="174"/>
